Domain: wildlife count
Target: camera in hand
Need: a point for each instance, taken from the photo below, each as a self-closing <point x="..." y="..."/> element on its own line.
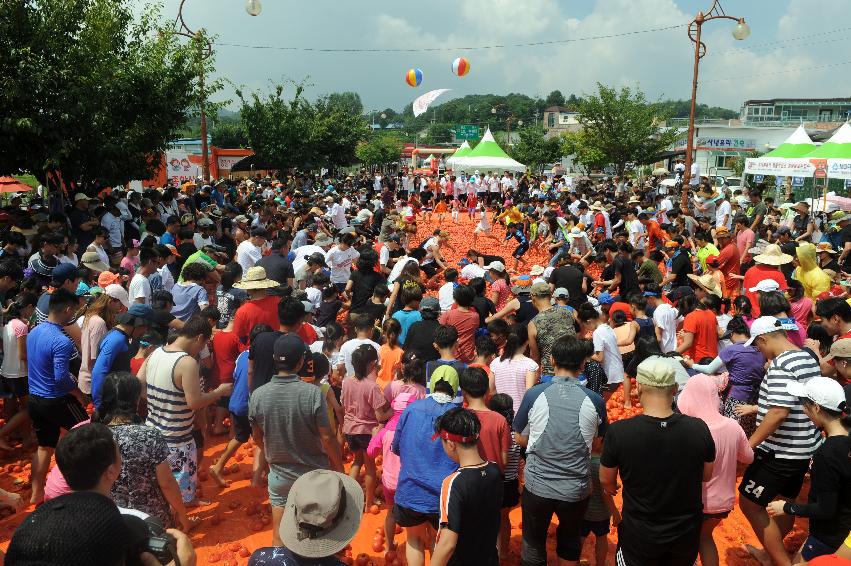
<point x="155" y="541"/>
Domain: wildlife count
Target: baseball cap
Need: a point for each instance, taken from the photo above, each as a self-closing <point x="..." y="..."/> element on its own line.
<point x="430" y="304"/>
<point x="92" y="260"/>
<point x="542" y="290"/>
<point x="137" y="315"/>
<point x="766" y="286"/>
<point x="288" y="348"/>
<point x="763" y="325"/>
<point x="496" y="266"/>
<point x="655" y="372"/>
<point x="187" y="218"/>
<point x="839" y="349"/>
<point x="822" y="391"/>
<point x="308" y="307"/>
<point x="316" y="258"/>
<point x="205" y="222"/>
<point x="722" y="232"/>
<point x="118" y="292"/>
<point x="561" y="293"/>
<point x="605" y="298"/>
<point x="62" y="273"/>
<point x="672" y="244"/>
<point x="81" y="196"/>
<point x="173" y="250"/>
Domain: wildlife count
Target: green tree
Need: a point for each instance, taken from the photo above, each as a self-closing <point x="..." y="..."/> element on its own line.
<point x="88" y="89"/>
<point x="534" y="149"/>
<point x="738" y="163"/>
<point x="229" y="134"/>
<point x="295" y="133"/>
<point x="555" y="98"/>
<point x="379" y="150"/>
<point x="346" y="102"/>
<point x="620" y="127"/>
<point x="438" y="133"/>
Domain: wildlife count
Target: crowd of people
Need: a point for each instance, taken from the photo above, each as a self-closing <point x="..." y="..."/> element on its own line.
<point x="332" y="324"/>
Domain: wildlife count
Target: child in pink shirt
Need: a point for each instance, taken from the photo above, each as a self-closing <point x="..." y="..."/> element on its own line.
<point x="700" y="399"/>
<point x="380" y="445"/>
<point x="131" y="261"/>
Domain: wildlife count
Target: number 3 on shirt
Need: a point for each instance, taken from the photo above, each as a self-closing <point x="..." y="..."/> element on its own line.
<point x="753" y="489"/>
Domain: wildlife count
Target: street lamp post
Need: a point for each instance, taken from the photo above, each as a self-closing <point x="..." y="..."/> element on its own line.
<point x="740" y="31"/>
<point x="253" y="8"/>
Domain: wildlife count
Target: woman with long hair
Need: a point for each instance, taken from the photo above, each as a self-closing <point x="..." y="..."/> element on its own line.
<point x="146" y="483"/>
<point x="513" y="372"/>
<point x="98" y="319"/>
<point x="410" y="275"/>
<point x="13" y="372"/>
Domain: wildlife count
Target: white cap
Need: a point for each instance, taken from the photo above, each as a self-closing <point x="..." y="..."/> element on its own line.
<point x="118" y="292"/>
<point x="822" y="391"/>
<point x="81" y="196"/>
<point x="766" y="286"/>
<point x="496" y="266"/>
<point x="763" y="325"/>
<point x="561" y="293"/>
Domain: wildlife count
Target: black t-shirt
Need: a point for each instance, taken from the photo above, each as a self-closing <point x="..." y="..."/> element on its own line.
<point x="489" y="259"/>
<point x="363" y="286"/>
<point x="278" y="268"/>
<point x="570" y="278"/>
<point x="260" y="353"/>
<point x="629" y="278"/>
<point x="830" y="482"/>
<point x="661" y="468"/>
<point x="484" y="307"/>
<point x="328" y="311"/>
<point x="681" y="268"/>
<point x="161" y="319"/>
<point x="420" y="340"/>
<point x="78" y="217"/>
<point x="470" y="501"/>
<point x="186" y="248"/>
<point x="374" y="310"/>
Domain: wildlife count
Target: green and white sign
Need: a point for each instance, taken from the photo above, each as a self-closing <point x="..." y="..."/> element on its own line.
<point x="467" y="132"/>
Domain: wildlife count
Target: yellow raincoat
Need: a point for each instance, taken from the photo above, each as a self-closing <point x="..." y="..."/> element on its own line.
<point x="811" y="276"/>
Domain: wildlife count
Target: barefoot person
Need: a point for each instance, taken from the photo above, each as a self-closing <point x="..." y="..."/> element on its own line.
<point x="172" y="380"/>
<point x="54" y="402"/>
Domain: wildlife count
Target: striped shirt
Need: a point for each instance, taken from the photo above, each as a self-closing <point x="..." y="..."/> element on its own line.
<point x="797" y="437"/>
<point x="168" y="410"/>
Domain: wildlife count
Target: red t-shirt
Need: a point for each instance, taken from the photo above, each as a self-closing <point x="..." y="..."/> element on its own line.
<point x="494" y="437"/>
<point x="756" y="274"/>
<point x="307" y="333"/>
<point x="252" y="313"/>
<point x="226" y="348"/>
<point x="703" y="324"/>
<point x="466" y="323"/>
<point x="728" y="262"/>
<point x="136" y="365"/>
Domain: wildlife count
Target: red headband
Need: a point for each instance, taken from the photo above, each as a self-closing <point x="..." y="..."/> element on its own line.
<point x="446" y="435"/>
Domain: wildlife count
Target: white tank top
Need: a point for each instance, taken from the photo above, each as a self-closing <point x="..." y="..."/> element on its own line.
<point x="168" y="411"/>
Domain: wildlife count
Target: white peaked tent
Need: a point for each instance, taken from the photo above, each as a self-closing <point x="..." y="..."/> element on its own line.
<point x="488" y="156"/>
<point x="465" y="149"/>
<point x="787" y="159"/>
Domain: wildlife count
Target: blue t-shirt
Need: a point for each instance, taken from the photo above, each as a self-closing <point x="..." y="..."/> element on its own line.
<point x="187" y="297"/>
<point x="425" y="462"/>
<point x="238" y="404"/>
<point x="406" y="319"/>
<point x="113" y="345"/>
<point x="167" y="239"/>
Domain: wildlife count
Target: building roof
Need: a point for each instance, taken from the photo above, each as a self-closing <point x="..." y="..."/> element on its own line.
<point x="794" y="100"/>
<point x="559" y="109"/>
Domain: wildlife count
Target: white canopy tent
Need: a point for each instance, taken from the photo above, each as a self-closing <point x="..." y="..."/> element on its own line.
<point x="488" y="156"/>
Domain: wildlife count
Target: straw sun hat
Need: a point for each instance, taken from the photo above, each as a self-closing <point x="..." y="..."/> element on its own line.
<point x="708" y="283"/>
<point x="772" y="255"/>
<point x="255" y="278"/>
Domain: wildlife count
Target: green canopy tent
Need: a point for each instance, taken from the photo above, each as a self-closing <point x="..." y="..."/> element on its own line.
<point x="837" y="151"/>
<point x="465" y="149"/>
<point x="798" y="144"/>
<point x="488" y="156"/>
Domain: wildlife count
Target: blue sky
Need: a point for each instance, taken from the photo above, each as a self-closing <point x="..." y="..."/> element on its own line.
<point x="789" y="39"/>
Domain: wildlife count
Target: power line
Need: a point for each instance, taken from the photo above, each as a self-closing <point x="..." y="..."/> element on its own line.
<point x="769" y="48"/>
<point x="798" y="69"/>
<point x="455" y="48"/>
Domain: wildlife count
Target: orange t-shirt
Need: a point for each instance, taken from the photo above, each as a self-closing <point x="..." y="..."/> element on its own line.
<point x="440" y="207"/>
<point x="703" y="324"/>
<point x="390" y="358"/>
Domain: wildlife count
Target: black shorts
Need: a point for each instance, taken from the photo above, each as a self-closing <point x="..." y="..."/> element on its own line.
<point x="50" y="416"/>
<point x="18" y="387"/>
<point x="520" y="250"/>
<point x="409" y="518"/>
<point x="599" y="528"/>
<point x="241" y="427"/>
<point x="766" y="478"/>
<point x="510" y="493"/>
<point x="358" y="442"/>
<point x="639" y="551"/>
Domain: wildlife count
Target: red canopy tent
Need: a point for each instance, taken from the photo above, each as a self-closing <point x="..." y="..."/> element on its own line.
<point x="12" y="185"/>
